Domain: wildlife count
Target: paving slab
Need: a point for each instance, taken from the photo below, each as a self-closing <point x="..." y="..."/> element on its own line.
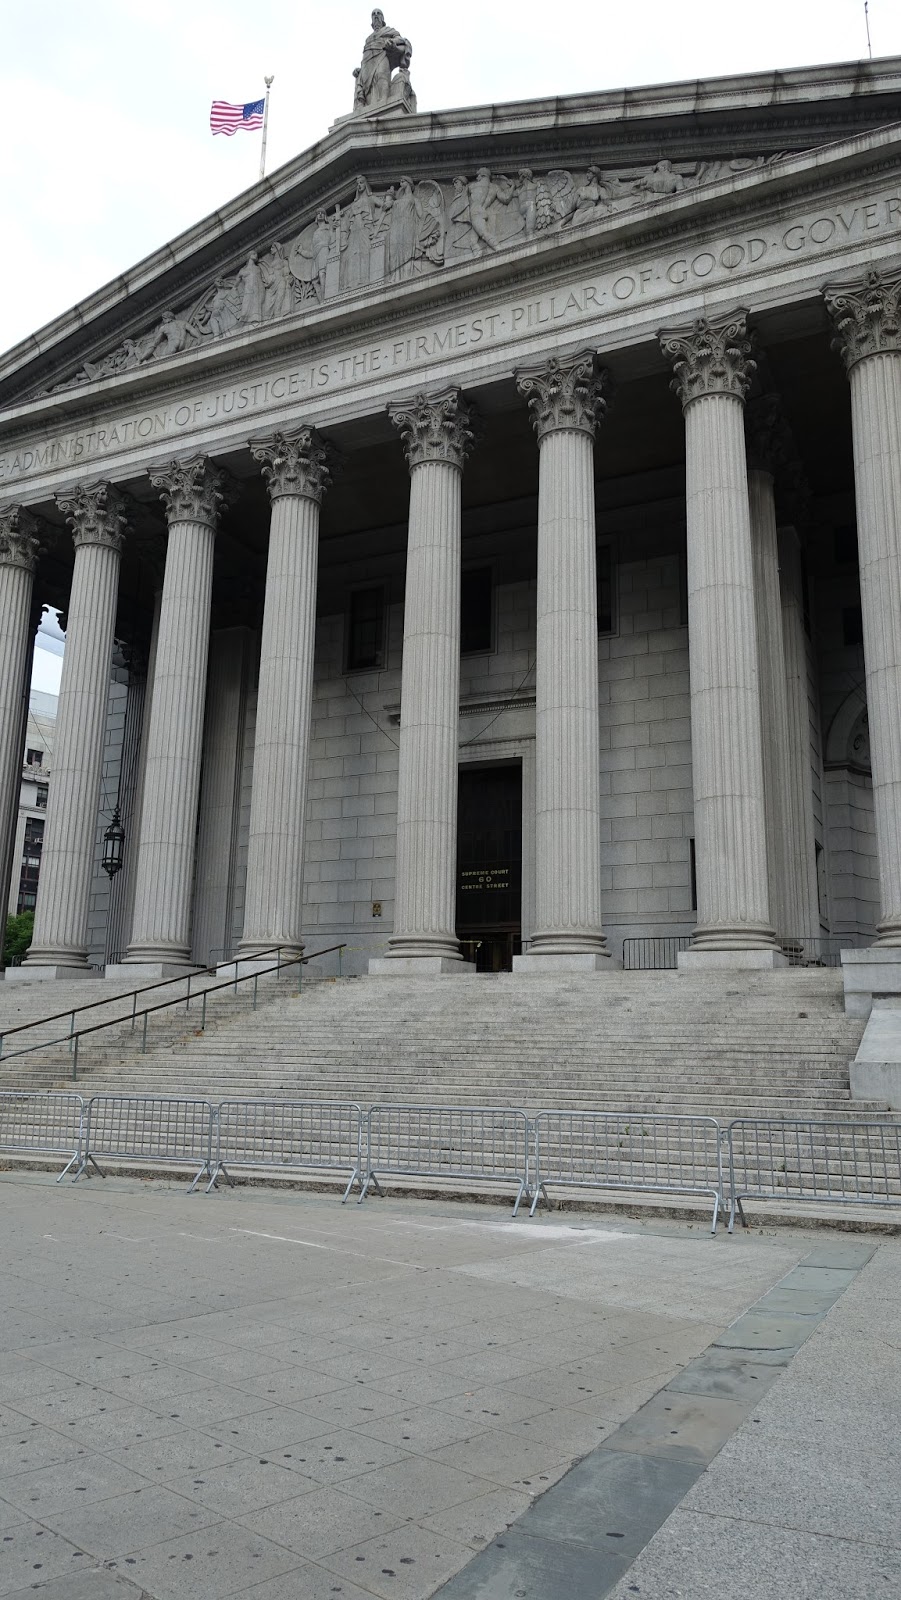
<point x="321" y="1401"/>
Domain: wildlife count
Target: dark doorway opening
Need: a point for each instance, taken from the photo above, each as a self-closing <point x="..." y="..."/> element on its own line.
<point x="489" y="865"/>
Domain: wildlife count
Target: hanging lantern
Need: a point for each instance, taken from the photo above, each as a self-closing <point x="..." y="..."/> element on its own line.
<point x="113" y="846"/>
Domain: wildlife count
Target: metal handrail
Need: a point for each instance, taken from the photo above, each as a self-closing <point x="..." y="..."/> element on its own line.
<point x="73" y="1038"/>
<point x="143" y="988"/>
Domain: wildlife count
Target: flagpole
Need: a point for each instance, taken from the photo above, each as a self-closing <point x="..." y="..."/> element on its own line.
<point x="268" y="83"/>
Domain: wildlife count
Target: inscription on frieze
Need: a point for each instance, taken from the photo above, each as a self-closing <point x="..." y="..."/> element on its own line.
<point x="580" y="307"/>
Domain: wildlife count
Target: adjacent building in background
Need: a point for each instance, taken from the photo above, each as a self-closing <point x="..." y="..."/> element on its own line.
<point x="28" y="842"/>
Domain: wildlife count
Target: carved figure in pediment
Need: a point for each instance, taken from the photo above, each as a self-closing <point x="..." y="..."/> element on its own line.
<point x="563" y="193"/>
<point x="384" y="50"/>
<point x="321" y="242"/>
<point x="356" y="228"/>
<point x="278" y="284"/>
<point x="661" y="180"/>
<point x="593" y="200"/>
<point x="432" y="237"/>
<point x="462" y="242"/>
<point x="173" y="335"/>
<point x="249" y="285"/>
<point x="527" y="200"/>
<point x="403" y="232"/>
<point x="224" y="309"/>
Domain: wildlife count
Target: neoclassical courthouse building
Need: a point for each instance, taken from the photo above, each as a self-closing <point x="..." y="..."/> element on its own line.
<point x="481" y="537"/>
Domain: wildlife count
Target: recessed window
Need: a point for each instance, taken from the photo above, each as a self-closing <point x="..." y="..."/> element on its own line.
<point x="476" y="610"/>
<point x="41" y="797"/>
<point x="606" y="587"/>
<point x="34" y="758"/>
<point x="366" y="629"/>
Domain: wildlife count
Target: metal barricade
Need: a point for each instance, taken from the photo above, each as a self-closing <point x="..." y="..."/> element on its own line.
<point x="652" y="1153"/>
<point x="849" y="1163"/>
<point x="289" y="1136"/>
<point x="42" y="1122"/>
<point x="485" y="1144"/>
<point x="148" y="1128"/>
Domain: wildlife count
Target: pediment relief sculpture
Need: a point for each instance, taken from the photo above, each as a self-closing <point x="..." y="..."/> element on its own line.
<point x="413" y="228"/>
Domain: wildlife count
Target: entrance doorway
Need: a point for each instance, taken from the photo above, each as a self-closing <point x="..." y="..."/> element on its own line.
<point x="489" y="865"/>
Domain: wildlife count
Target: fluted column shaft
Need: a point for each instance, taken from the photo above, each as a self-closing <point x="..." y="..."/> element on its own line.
<point x="18" y="557"/>
<point x="437" y="435"/>
<point x="97" y="517"/>
<point x="161" y="928"/>
<point x="712" y="370"/>
<point x="867" y="316"/>
<point x="566" y="402"/>
<point x="801" y="842"/>
<point x="296" y="466"/>
<point x="783" y="865"/>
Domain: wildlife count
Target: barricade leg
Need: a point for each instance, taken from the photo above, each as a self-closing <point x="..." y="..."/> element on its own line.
<point x="87" y="1161"/>
<point x="68" y="1167"/>
<point x="355" y="1177"/>
<point x="521" y="1191"/>
<point x="371" y="1182"/>
<point x="217" y="1172"/>
<point x="716" y="1210"/>
<point x="540" y="1194"/>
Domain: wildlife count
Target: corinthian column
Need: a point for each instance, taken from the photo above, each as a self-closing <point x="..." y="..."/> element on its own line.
<point x="296" y="467"/>
<point x="192" y="491"/>
<point x="18" y="559"/>
<point x="566" y="401"/>
<point x="769" y="448"/>
<point x="59" y="948"/>
<point x="438" y="435"/>
<point x="867" y="319"/>
<point x="712" y="365"/>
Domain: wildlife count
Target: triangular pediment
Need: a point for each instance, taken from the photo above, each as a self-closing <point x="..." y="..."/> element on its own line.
<point x="369" y="213"/>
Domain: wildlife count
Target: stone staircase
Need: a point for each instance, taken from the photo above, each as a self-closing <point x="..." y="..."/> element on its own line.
<point x="726" y="1045"/>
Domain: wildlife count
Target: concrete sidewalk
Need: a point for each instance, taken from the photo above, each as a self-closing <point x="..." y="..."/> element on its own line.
<point x="267" y="1395"/>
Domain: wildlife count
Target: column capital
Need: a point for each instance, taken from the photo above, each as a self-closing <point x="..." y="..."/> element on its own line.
<point x="866" y="316"/>
<point x="192" y="489"/>
<point x="19" y="543"/>
<point x="435" y="427"/>
<point x="568" y="396"/>
<point x="96" y="514"/>
<point x="298" y="463"/>
<point x="710" y="357"/>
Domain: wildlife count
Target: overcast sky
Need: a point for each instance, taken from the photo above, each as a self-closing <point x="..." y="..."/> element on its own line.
<point x="107" y="150"/>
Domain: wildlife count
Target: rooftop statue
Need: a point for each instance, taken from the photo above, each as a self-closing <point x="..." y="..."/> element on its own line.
<point x="384" y="52"/>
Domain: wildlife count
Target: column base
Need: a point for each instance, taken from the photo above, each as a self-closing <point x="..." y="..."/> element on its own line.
<point x="141" y="972"/>
<point x="564" y="961"/>
<point x="868" y="975"/>
<point x="420" y="967"/>
<point x="53" y="971"/>
<point x="731" y="960"/>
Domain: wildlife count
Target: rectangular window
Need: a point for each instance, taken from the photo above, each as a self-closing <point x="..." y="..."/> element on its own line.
<point x="41" y="797"/>
<point x="607" y="620"/>
<point x="34" y="758"/>
<point x="366" y="629"/>
<point x="476" y="610"/>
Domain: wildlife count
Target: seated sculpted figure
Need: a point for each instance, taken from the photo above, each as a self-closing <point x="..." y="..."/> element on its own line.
<point x="384" y="50"/>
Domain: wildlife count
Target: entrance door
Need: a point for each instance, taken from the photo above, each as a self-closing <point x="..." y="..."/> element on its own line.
<point x="489" y="865"/>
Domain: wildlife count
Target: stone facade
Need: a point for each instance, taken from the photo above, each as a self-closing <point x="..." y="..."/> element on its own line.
<point x="526" y="465"/>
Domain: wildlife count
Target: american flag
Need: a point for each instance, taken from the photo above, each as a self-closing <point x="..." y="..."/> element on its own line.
<point x="228" y="119"/>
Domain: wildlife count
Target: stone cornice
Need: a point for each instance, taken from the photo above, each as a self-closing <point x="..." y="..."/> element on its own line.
<point x="435" y="427"/>
<point x="866" y="316"/>
<point x="19" y="538"/>
<point x="96" y="514"/>
<point x="192" y="489"/>
<point x="299" y="463"/>
<point x="565" y="396"/>
<point x="710" y="357"/>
